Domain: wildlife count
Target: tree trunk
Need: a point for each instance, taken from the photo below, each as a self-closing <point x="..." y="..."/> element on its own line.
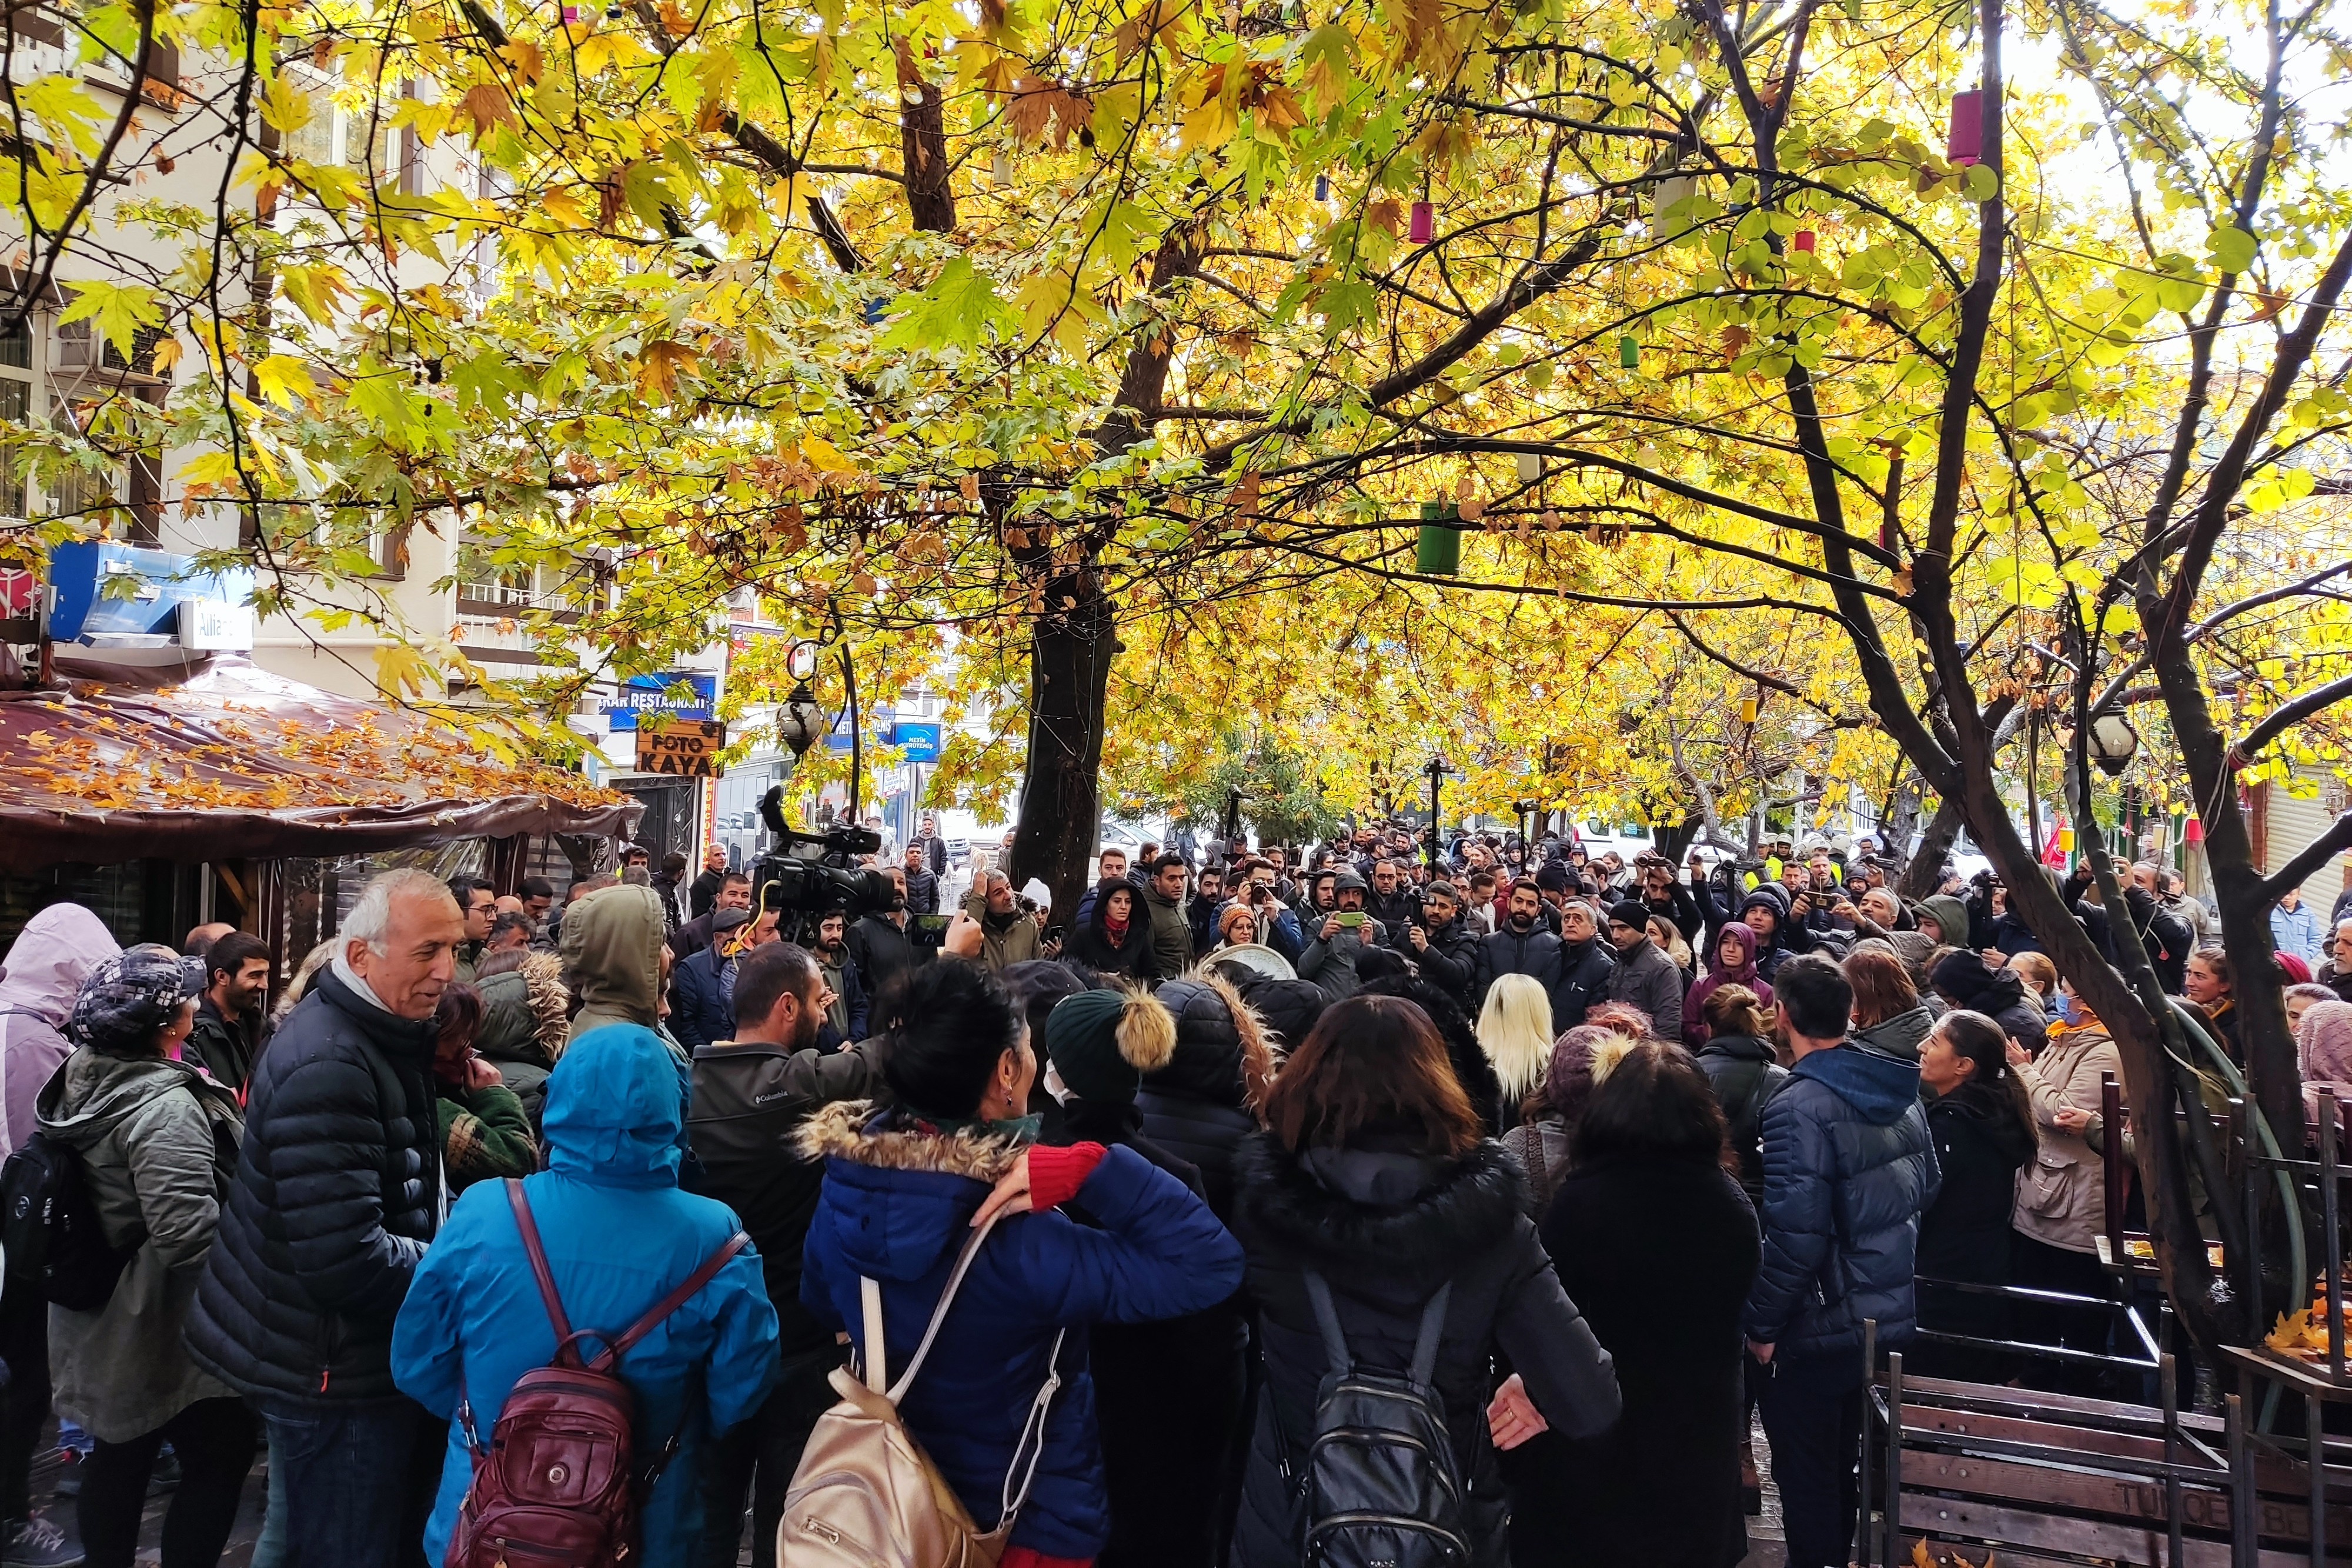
<point x="1070" y="653"/>
<point x="923" y="151"/>
<point x="1920" y="875"/>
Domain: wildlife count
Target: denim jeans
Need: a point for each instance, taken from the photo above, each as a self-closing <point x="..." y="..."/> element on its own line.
<point x="359" y="1481"/>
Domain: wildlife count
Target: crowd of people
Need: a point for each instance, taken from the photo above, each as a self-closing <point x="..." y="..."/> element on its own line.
<point x="1580" y="1161"/>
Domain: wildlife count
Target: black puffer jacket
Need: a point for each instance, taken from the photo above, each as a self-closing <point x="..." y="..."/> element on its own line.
<point x="1385" y="1228"/>
<point x="336" y="1195"/>
<point x="1198" y="1106"/>
<point x="1450" y="962"/>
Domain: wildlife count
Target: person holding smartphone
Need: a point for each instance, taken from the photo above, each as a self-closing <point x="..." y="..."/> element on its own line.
<point x="1332" y="951"/>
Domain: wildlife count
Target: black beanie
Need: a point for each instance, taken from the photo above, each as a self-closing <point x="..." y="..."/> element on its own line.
<point x="1630" y="912"/>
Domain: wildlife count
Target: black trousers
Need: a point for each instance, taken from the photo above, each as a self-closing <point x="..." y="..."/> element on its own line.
<point x="758" y="1455"/>
<point x="1813" y="1415"/>
<point x="24" y="1403"/>
<point x="216" y="1439"/>
<point x="2043" y="1267"/>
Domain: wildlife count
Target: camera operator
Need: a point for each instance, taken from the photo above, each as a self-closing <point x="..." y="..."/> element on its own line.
<point x="879" y="942"/>
<point x="1664" y="894"/>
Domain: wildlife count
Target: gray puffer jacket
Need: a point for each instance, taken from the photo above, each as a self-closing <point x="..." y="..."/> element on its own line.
<point x="1646" y="976"/>
<point x="157" y="1142"/>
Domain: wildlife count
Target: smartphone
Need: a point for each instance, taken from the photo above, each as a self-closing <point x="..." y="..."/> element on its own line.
<point x="1351" y="917"/>
<point x="929" y="930"/>
<point x="1053" y="934"/>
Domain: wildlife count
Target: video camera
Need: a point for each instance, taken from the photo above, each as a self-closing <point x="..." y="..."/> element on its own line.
<point x="815" y="875"/>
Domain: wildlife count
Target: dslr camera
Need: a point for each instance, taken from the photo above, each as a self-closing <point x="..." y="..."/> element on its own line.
<point x="814" y="874"/>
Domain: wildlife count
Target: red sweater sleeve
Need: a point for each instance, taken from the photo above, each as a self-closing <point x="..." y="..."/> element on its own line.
<point x="1056" y="1175"/>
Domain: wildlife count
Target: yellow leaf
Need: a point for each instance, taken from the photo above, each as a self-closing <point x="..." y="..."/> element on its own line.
<point x="606" y="49"/>
<point x="530" y="61"/>
<point x="824" y="454"/>
<point x="167" y="354"/>
<point x="1210" y="125"/>
<point x="284" y="380"/>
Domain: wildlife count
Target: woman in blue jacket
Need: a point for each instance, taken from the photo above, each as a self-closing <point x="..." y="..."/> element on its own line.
<point x="619" y="1236"/>
<point x="903" y="1189"/>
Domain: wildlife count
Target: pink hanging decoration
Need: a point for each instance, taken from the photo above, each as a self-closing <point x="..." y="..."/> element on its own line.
<point x="1967" y="142"/>
<point x="2194" y="832"/>
<point x="1424" y="223"/>
<point x="1803" y="241"/>
<point x="571" y="16"/>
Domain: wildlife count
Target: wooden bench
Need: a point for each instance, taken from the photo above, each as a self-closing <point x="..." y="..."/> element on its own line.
<point x="2038" y="1480"/>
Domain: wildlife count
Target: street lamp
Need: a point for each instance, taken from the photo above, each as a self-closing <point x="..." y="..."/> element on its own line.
<point x="801" y="721"/>
<point x="1434" y="770"/>
<point x="2113" y="743"/>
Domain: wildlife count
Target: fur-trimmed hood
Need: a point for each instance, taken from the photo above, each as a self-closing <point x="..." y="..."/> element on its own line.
<point x="899" y="1199"/>
<point x="1369" y="1215"/>
<point x="525" y="1012"/>
<point x="1224" y="1054"/>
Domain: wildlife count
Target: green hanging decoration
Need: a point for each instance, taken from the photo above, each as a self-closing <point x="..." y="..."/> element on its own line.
<point x="1439" y="550"/>
<point x="1629" y="352"/>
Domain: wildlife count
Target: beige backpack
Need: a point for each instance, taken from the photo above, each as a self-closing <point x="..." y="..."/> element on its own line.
<point x="866" y="1496"/>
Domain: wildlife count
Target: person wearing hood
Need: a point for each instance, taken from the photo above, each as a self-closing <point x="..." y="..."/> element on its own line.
<point x="1965" y="980"/>
<point x="949" y="1166"/>
<point x="1113" y="938"/>
<point x="612" y="947"/>
<point x="338" y="1187"/>
<point x="1849" y="1166"/>
<point x="1943" y="920"/>
<point x="1168" y="1396"/>
<point x="1200" y="1103"/>
<point x="1730" y="962"/>
<point x="1888" y="1016"/>
<point x="1647" y="976"/>
<point x="39" y="978"/>
<point x="752" y="1096"/>
<point x="526" y="1020"/>
<point x="1372" y="1204"/>
<point x="2061" y="1197"/>
<point x="158" y="1144"/>
<point x="618" y="1235"/>
<point x="1982" y="1124"/>
<point x="1765" y="912"/>
<point x="1286" y="1009"/>
<point x="1163" y="910"/>
<point x="1334" y="945"/>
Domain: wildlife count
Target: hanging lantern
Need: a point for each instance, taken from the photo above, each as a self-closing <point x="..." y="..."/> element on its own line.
<point x="1965" y="144"/>
<point x="1530" y="467"/>
<point x="1629" y="352"/>
<point x="2066" y="841"/>
<point x="1748" y="709"/>
<point x="1322" y="187"/>
<point x="1424" y="223"/>
<point x="873" y="308"/>
<point x="1438" y="553"/>
<point x="613" y="13"/>
<point x="999" y="168"/>
<point x="2194" y="832"/>
<point x="571" y="16"/>
<point x="1803" y="240"/>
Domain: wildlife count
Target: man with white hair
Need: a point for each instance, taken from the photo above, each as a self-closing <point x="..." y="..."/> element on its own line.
<point x="338" y="1190"/>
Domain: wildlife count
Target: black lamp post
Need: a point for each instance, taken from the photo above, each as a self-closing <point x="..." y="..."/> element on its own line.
<point x="801" y="720"/>
<point x="1434" y="770"/>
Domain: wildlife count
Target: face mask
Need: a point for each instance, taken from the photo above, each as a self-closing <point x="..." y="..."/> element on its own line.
<point x="2069" y="1009"/>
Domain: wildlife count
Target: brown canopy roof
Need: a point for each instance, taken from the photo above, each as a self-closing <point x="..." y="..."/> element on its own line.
<point x="231" y="762"/>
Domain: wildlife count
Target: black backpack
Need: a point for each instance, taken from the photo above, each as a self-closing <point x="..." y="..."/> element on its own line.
<point x="49" y="1227"/>
<point x="1379" y="1487"/>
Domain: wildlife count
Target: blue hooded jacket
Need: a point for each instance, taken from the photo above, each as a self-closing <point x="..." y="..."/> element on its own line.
<point x="619" y="1236"/>
<point x="897" y="1206"/>
<point x="1849" y="1166"/>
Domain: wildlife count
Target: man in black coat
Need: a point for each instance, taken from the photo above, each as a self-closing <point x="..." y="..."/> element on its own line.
<point x="921" y="883"/>
<point x="1586" y="964"/>
<point x="227" y="1032"/>
<point x="751" y="1096"/>
<point x="338" y="1191"/>
<point x="1393" y="901"/>
<point x="1521" y="945"/>
<point x="879" y="942"/>
<point x="1444" y="943"/>
<point x="704" y="891"/>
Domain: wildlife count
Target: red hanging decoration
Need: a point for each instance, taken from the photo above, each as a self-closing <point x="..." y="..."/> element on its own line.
<point x="1966" y="143"/>
<point x="1424" y="223"/>
<point x="1803" y="241"/>
<point x="2194" y="832"/>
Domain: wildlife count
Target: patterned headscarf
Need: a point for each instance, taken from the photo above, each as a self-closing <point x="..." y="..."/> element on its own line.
<point x="129" y="999"/>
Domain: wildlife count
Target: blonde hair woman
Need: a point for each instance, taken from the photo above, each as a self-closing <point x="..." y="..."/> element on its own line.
<point x="1514" y="1032"/>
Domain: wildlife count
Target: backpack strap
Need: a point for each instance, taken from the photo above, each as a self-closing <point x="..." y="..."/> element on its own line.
<point x="538" y="1256"/>
<point x="872" y="1293"/>
<point x="1432" y="1331"/>
<point x="1327" y="1319"/>
<point x="686" y="1291"/>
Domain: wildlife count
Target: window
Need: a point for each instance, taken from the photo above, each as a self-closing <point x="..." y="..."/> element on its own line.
<point x="337" y="134"/>
<point x="16" y="406"/>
